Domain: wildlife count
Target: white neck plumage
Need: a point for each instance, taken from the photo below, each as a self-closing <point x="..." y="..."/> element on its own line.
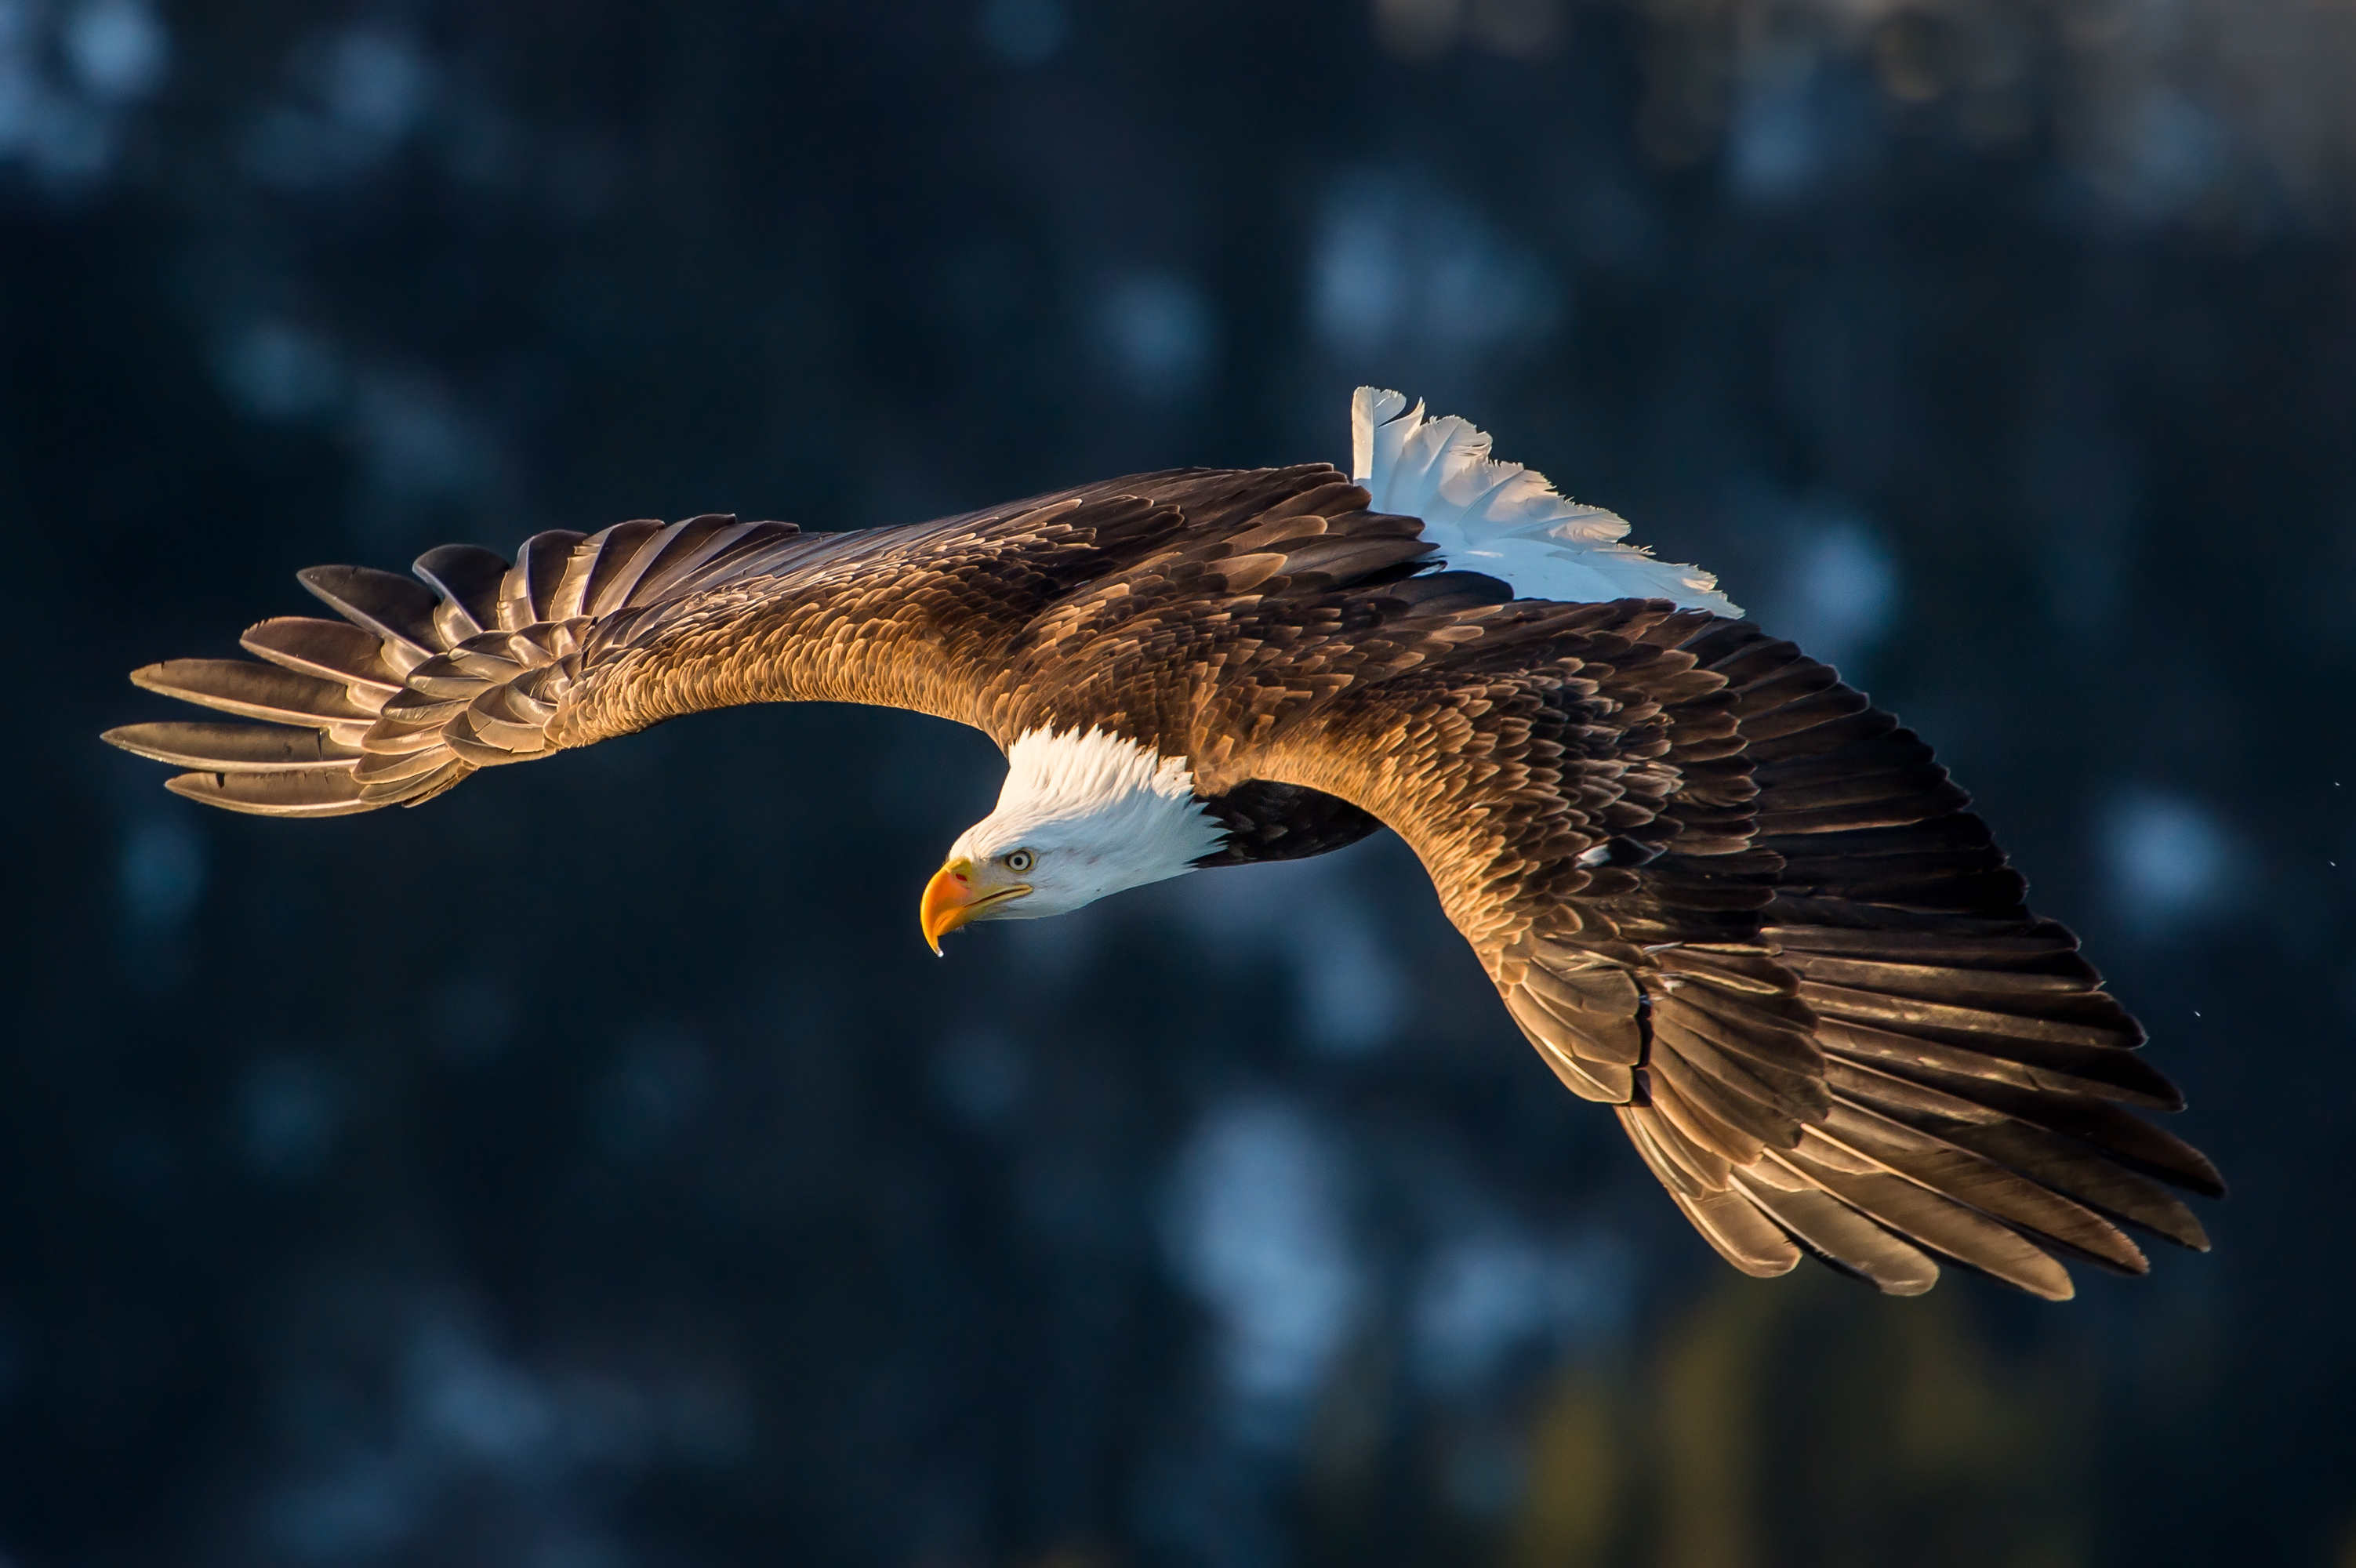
<point x="1099" y="813"/>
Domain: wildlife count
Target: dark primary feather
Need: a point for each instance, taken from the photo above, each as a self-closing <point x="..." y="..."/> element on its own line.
<point x="527" y="594"/>
<point x="328" y="650"/>
<point x="467" y="579"/>
<point x="393" y="608"/>
<point x="232" y="748"/>
<point x="258" y="691"/>
<point x="1715" y="889"/>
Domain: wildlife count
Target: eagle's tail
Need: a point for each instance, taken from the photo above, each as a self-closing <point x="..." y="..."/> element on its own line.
<point x="1502" y="519"/>
<point x="421" y="683"/>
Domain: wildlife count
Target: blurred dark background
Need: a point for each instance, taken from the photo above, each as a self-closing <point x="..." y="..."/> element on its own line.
<point x="594" y="1169"/>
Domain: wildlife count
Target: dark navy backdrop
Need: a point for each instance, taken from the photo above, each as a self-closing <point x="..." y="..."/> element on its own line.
<point x="594" y="1169"/>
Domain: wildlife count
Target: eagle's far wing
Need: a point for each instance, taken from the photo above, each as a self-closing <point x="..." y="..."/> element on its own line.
<point x="1721" y="893"/>
<point x="481" y="661"/>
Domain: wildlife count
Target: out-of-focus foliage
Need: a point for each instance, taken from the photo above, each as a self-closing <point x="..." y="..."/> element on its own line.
<point x="594" y="1169"/>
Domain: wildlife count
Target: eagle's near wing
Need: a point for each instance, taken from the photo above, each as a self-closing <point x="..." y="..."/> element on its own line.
<point x="1715" y="887"/>
<point x="1723" y="894"/>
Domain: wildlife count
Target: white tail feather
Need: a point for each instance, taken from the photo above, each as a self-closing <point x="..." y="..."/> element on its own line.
<point x="1503" y="518"/>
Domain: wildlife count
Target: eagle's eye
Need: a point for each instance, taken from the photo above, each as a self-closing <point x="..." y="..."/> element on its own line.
<point x="1020" y="861"/>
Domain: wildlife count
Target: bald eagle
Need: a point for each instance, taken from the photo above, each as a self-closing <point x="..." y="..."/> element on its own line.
<point x="1719" y="890"/>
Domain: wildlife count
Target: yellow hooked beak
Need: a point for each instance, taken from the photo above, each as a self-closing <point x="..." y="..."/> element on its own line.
<point x="955" y="896"/>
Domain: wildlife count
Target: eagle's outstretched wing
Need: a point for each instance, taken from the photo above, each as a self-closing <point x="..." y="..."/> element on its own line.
<point x="481" y="663"/>
<point x="1723" y="894"/>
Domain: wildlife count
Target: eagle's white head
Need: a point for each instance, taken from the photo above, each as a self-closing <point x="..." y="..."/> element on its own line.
<point x="1082" y="814"/>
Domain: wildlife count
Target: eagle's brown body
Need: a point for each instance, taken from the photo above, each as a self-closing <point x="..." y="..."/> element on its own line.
<point x="1717" y="888"/>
